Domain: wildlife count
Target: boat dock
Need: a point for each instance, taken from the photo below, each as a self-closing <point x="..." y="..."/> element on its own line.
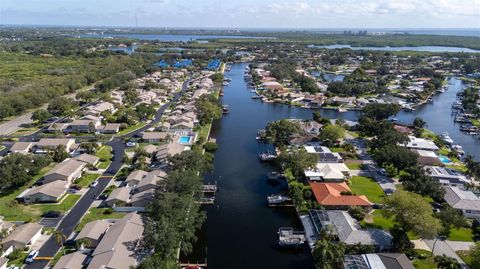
<point x="206" y="201"/>
<point x="209" y="188"/>
<point x="193" y="265"/>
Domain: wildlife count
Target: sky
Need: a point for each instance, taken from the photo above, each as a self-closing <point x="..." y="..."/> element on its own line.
<point x="245" y="13"/>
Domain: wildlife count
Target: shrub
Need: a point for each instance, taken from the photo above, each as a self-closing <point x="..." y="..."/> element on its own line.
<point x="210" y="146"/>
<point x="357" y="212"/>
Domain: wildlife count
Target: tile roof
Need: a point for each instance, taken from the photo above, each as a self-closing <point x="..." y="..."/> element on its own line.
<point x="330" y="194"/>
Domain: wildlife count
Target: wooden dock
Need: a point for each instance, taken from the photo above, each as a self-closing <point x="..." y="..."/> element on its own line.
<point x="193" y="265"/>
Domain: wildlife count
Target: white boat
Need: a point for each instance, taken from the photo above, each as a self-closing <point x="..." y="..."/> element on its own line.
<point x="341" y="110"/>
<point x="225" y="83"/>
<point x="287" y="237"/>
<point x="459" y="149"/>
<point x="277" y="199"/>
<point x="447" y="138"/>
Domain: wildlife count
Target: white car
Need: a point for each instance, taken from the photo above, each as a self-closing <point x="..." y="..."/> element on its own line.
<point x="31" y="256"/>
<point x="93" y="184"/>
<point x="383" y="172"/>
<point x="131" y="144"/>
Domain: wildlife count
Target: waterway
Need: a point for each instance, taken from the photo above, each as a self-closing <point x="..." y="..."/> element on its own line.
<point x="240" y="230"/>
<point x="419" y="48"/>
<point x="168" y="38"/>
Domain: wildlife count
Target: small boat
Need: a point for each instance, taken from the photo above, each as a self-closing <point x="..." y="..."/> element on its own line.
<point x="276" y="199"/>
<point x="275" y="175"/>
<point x="253" y="91"/>
<point x="227" y="79"/>
<point x="459" y="149"/>
<point x="256" y="97"/>
<point x="266" y="156"/>
<point x="430" y="100"/>
<point x="341" y="110"/>
<point x="225" y="83"/>
<point x="225" y="109"/>
<point x="287" y="237"/>
<point x="447" y="138"/>
<point x="193" y="267"/>
<point x="260" y="135"/>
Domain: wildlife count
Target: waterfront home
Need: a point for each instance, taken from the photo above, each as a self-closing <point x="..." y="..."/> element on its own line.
<point x="378" y="261"/>
<point x="328" y="172"/>
<point x="154" y="137"/>
<point x="347" y="229"/>
<point x="426" y="157"/>
<point x="338" y="196"/>
<point x="421" y="144"/>
<point x="68" y="170"/>
<point x="151" y="180"/>
<point x="46" y="144"/>
<point x="92" y="233"/>
<point x="118" y="197"/>
<point x="73" y="260"/>
<point x="170" y="149"/>
<point x="87" y="158"/>
<point x="50" y="192"/>
<point x="465" y="201"/>
<point x="324" y="154"/>
<point x="311" y="127"/>
<point x="116" y="248"/>
<point x="198" y="93"/>
<point x="186" y="126"/>
<point x="110" y="128"/>
<point x="21" y="147"/>
<point x="446" y="176"/>
<point x="22" y="237"/>
<point x="85" y="126"/>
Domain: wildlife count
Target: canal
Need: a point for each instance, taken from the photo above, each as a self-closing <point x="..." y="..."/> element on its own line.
<point x="240" y="230"/>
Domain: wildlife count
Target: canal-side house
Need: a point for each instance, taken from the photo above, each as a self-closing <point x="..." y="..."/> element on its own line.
<point x="116" y="248"/>
<point x="154" y="137"/>
<point x="328" y="172"/>
<point x="338" y="196"/>
<point x="465" y="201"/>
<point x="347" y="230"/>
<point x="92" y="233"/>
<point x="170" y="149"/>
<point x="378" y="261"/>
<point x="325" y="155"/>
<point x="416" y="143"/>
<point x="427" y="157"/>
<point x="446" y="176"/>
<point x="22" y="237"/>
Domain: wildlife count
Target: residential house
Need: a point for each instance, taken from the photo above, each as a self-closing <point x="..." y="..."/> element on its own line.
<point x="73" y="260"/>
<point x="93" y="232"/>
<point x="116" y="248"/>
<point x="57" y="127"/>
<point x="23" y="236"/>
<point x="135" y="177"/>
<point x="169" y="149"/>
<point x="3" y="263"/>
<point x="338" y="196"/>
<point x="421" y="144"/>
<point x="142" y="199"/>
<point x="110" y="128"/>
<point x="426" y="157"/>
<point x="151" y="180"/>
<point x="85" y="126"/>
<point x="118" y="197"/>
<point x="328" y="172"/>
<point x="68" y="170"/>
<point x="347" y="230"/>
<point x="6" y="225"/>
<point x="154" y="137"/>
<point x="21" y="147"/>
<point x="324" y="154"/>
<point x="378" y="261"/>
<point x="446" y="176"/>
<point x="50" y="192"/>
<point x="465" y="201"/>
<point x="46" y="144"/>
<point x="97" y="109"/>
<point x="87" y="158"/>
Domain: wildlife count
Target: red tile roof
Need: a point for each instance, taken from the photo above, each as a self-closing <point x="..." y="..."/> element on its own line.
<point x="329" y="194"/>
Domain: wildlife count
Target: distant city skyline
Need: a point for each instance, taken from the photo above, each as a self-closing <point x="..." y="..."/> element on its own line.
<point x="245" y="13"/>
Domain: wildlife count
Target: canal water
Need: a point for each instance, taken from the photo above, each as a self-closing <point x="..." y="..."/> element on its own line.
<point x="240" y="230"/>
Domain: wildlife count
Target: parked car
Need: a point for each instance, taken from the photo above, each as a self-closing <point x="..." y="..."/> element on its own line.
<point x="75" y="187"/>
<point x="130" y="144"/>
<point x="51" y="214"/>
<point x="93" y="184"/>
<point x="31" y="256"/>
<point x="383" y="172"/>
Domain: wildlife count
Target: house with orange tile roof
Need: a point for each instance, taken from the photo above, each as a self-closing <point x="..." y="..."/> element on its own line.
<point x="337" y="196"/>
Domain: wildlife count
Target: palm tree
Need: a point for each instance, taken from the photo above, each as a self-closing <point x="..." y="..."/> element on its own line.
<point x="59" y="238"/>
<point x="328" y="254"/>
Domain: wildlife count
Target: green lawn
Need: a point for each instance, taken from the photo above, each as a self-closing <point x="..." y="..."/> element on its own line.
<point x="19" y="261"/>
<point x="24" y="131"/>
<point x="337" y="149"/>
<point x="98" y="214"/>
<point x="12" y="210"/>
<point x="86" y="179"/>
<point x="105" y="154"/>
<point x="424" y="260"/>
<point x="131" y="128"/>
<point x="378" y="221"/>
<point x="462" y="234"/>
<point x="203" y="132"/>
<point x="368" y="187"/>
<point x="354" y="165"/>
<point x="64" y="206"/>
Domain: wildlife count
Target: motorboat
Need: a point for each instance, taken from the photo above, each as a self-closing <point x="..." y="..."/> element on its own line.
<point x="276" y="199"/>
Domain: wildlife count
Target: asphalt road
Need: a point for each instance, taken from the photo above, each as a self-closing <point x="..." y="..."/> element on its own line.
<point x="73" y="217"/>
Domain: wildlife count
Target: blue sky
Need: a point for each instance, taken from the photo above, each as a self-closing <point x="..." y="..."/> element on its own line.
<point x="246" y="13"/>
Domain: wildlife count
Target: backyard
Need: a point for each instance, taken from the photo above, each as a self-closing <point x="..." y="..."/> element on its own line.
<point x="368" y="187"/>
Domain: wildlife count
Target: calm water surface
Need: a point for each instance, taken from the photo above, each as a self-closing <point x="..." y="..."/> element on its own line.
<point x="419" y="48"/>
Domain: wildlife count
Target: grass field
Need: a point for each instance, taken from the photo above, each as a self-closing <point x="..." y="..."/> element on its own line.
<point x="131" y="128"/>
<point x="98" y="214"/>
<point x="462" y="234"/>
<point x="12" y="210"/>
<point x="64" y="206"/>
<point x="86" y="179"/>
<point x="105" y="154"/>
<point x="368" y="187"/>
<point x="378" y="221"/>
<point x="354" y="165"/>
<point x="426" y="262"/>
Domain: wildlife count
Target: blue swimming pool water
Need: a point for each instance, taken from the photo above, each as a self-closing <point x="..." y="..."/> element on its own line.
<point x="444" y="159"/>
<point x="184" y="140"/>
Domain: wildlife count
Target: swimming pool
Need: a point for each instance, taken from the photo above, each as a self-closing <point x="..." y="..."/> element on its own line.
<point x="444" y="159"/>
<point x="184" y="139"/>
